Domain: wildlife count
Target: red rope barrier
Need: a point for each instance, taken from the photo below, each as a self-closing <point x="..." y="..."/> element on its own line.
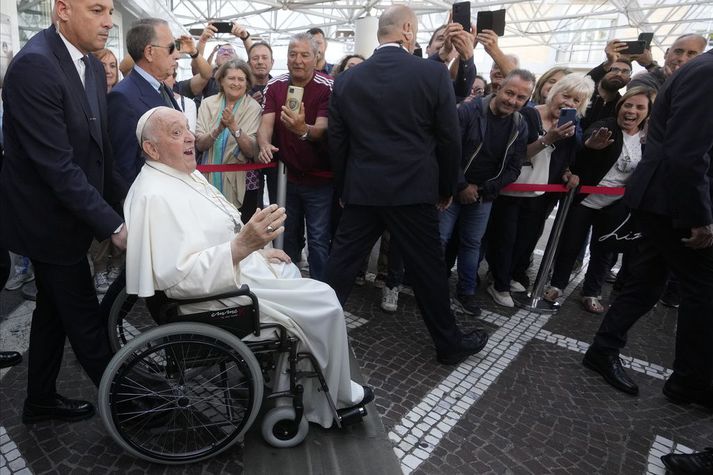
<point x="241" y="167"/>
<point x="235" y="167"/>
<point x="599" y="190"/>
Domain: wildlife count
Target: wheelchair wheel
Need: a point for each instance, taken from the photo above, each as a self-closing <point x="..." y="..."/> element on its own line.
<point x="128" y="318"/>
<point x="280" y="429"/>
<point x="180" y="393"/>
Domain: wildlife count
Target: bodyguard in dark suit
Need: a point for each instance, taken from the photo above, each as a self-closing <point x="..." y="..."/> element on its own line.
<point x="671" y="192"/>
<point x="394" y="146"/>
<point x="57" y="189"/>
<point x="151" y="45"/>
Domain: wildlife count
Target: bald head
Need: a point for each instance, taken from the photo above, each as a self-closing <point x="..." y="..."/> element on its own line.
<point x="394" y="22"/>
<point x="684" y="49"/>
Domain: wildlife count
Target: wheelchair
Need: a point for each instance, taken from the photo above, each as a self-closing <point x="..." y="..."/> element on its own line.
<point x="182" y="388"/>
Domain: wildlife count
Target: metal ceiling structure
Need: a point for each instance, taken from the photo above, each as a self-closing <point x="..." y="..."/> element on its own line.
<point x="567" y="26"/>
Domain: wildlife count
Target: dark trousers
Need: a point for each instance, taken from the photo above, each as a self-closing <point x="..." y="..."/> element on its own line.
<point x="659" y="251"/>
<point x="67" y="306"/>
<point x="415" y="228"/>
<point x="576" y="228"/>
<point x="516" y="225"/>
<point x="4" y="267"/>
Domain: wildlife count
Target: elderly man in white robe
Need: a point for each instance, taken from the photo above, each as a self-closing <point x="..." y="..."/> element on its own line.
<point x="185" y="239"/>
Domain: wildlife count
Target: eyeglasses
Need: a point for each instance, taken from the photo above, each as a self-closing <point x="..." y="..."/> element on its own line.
<point x="623" y="72"/>
<point x="176" y="45"/>
<point x="224" y="49"/>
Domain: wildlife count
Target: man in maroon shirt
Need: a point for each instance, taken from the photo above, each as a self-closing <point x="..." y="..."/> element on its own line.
<point x="299" y="138"/>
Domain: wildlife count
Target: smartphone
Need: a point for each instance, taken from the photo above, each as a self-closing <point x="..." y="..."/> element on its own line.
<point x="461" y="14"/>
<point x="294" y="98"/>
<point x="634" y="47"/>
<point x="647" y="37"/>
<point x="491" y="20"/>
<point x="223" y="26"/>
<point x="567" y="114"/>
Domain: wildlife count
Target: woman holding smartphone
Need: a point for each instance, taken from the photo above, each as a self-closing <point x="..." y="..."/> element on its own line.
<point x="518" y="218"/>
<point x="612" y="149"/>
<point x="225" y="130"/>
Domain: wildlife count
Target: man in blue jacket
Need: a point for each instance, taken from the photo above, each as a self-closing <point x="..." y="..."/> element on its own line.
<point x="494" y="145"/>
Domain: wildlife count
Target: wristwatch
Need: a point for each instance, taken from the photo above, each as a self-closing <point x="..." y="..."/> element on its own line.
<point x="193" y="56"/>
<point x="247" y="35"/>
<point x="237" y="133"/>
<point x="305" y="136"/>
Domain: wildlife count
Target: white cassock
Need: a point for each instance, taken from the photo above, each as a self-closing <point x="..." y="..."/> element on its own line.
<point x="179" y="232"/>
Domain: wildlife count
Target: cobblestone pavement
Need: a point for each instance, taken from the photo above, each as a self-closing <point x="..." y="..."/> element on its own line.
<point x="525" y="405"/>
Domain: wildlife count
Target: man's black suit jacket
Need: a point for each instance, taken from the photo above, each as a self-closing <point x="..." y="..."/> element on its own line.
<point x="57" y="176"/>
<point x="393" y="131"/>
<point x="675" y="177"/>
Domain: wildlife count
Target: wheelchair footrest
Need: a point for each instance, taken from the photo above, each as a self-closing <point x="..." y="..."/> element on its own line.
<point x="351" y="415"/>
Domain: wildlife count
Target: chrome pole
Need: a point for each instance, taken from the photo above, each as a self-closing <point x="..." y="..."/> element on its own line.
<point x="534" y="301"/>
<point x="279" y="242"/>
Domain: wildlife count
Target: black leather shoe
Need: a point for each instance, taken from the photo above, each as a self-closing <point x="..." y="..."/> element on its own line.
<point x="470" y="344"/>
<point x="9" y="358"/>
<point x="468" y="304"/>
<point x="60" y="408"/>
<point x="368" y="396"/>
<point x="698" y="463"/>
<point x="679" y="394"/>
<point x="609" y="366"/>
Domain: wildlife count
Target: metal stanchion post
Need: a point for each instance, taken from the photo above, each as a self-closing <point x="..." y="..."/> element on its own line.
<point x="279" y="242"/>
<point x="534" y="301"/>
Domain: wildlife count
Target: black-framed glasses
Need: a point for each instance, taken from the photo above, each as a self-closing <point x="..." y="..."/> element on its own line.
<point x="176" y="45"/>
<point x="623" y="72"/>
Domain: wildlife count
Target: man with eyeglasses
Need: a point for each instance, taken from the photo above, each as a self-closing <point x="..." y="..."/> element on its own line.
<point x="610" y="77"/>
<point x="151" y="45"/>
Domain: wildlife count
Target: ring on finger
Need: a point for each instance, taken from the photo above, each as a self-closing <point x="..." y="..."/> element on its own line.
<point x="270" y="228"/>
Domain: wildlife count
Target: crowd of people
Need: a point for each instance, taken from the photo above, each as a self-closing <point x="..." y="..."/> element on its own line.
<point x="415" y="151"/>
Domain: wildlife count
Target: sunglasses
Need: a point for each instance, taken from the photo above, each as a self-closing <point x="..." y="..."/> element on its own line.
<point x="176" y="45"/>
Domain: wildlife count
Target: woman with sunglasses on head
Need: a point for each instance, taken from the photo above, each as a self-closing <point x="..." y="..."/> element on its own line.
<point x="612" y="149"/>
<point x="225" y="132"/>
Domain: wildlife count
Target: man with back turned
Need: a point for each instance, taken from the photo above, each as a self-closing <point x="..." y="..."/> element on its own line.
<point x="395" y="159"/>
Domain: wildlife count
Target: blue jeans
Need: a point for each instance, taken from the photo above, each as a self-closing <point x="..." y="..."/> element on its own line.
<point x="473" y="222"/>
<point x="312" y="204"/>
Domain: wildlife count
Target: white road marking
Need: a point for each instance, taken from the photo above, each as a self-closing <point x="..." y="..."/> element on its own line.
<point x="662" y="446"/>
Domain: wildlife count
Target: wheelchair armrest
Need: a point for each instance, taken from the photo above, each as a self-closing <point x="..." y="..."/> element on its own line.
<point x="243" y="291"/>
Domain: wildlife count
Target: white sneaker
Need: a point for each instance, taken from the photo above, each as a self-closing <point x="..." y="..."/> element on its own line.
<point x="101" y="284"/>
<point x="516" y="286"/>
<point x="389" y="299"/>
<point x="19" y="279"/>
<point x="501" y="298"/>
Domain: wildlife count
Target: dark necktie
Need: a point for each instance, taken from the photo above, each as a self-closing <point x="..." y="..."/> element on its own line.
<point x="90" y="89"/>
<point x="163" y="89"/>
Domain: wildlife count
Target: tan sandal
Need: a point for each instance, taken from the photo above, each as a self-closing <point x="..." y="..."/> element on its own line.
<point x="552" y="294"/>
<point x="592" y="305"/>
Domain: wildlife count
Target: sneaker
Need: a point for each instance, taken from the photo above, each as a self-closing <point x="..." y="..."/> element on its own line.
<point x="113" y="273"/>
<point x="19" y="279"/>
<point x="516" y="286"/>
<point x="101" y="284"/>
<point x="390" y="299"/>
<point x="501" y="298"/>
<point x="468" y="305"/>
